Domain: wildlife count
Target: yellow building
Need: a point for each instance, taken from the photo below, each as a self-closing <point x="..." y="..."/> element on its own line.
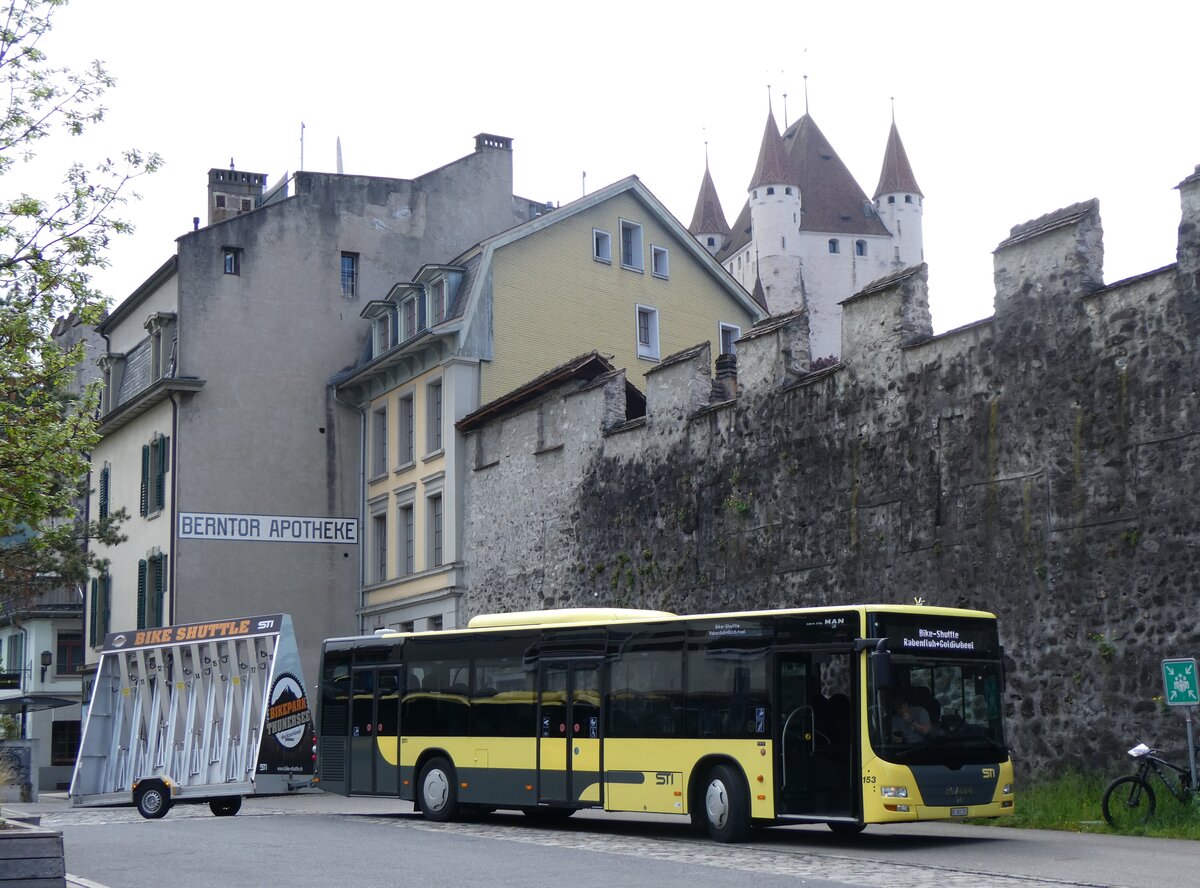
<point x="613" y="272"/>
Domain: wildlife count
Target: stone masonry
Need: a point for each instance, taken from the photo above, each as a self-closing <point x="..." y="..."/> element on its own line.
<point x="1043" y="464"/>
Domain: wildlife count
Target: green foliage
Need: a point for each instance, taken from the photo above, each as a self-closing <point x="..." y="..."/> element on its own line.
<point x="49" y="248"/>
<point x="1072" y="802"/>
<point x="1105" y="648"/>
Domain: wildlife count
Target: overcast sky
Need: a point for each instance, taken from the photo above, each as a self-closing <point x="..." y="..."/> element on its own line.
<point x="1008" y="111"/>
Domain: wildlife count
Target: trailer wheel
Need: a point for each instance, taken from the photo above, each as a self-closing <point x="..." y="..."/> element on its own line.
<point x="439" y="790"/>
<point x="226" y="807"/>
<point x="152" y="800"/>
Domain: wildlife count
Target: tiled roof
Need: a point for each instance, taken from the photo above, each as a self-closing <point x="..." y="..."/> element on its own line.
<point x="772" y="167"/>
<point x="896" y="175"/>
<point x="709" y="218"/>
<point x="830" y="198"/>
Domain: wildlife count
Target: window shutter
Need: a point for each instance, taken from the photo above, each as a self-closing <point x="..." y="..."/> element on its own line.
<point x="160" y="587"/>
<point x="141" y="595"/>
<point x="145" y="502"/>
<point x="160" y="475"/>
<point x="95" y="612"/>
<point x="104" y="492"/>
<point x="105" y="605"/>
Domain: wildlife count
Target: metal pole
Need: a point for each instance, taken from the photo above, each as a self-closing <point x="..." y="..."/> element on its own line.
<point x="1191" y="746"/>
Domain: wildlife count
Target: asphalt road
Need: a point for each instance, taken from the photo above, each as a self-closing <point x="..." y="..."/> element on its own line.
<point x="360" y="843"/>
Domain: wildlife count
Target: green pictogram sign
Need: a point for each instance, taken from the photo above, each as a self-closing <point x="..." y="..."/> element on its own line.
<point x="1180" y="683"/>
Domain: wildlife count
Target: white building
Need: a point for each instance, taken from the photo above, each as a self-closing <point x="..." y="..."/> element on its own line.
<point x="808" y="235"/>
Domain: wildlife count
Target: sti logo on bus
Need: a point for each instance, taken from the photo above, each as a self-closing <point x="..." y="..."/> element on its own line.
<point x="664" y="778"/>
<point x="989" y="773"/>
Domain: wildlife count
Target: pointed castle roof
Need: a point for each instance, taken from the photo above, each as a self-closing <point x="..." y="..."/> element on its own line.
<point x="709" y="218"/>
<point x="897" y="174"/>
<point x="831" y="200"/>
<point x="772" y="168"/>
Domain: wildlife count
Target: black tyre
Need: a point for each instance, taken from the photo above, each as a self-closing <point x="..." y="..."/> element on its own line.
<point x="726" y="804"/>
<point x="438" y="787"/>
<point x="152" y="801"/>
<point x="1128" y="802"/>
<point x="225" y="807"/>
<point x="845" y="828"/>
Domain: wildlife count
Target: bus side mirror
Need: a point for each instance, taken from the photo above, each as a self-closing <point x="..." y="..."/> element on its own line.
<point x="881" y="668"/>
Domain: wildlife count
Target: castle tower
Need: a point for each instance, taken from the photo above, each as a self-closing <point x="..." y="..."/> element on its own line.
<point x="708" y="221"/>
<point x="900" y="204"/>
<point x="775" y="207"/>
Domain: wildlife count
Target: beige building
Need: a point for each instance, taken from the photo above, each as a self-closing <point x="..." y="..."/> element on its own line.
<point x="613" y="272"/>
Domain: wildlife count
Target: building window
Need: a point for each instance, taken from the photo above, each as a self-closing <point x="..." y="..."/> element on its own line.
<point x="787" y="189"/>
<point x="631" y="246"/>
<point x="908" y="198"/>
<point x="64" y="742"/>
<point x="433" y="417"/>
<point x="16" y="653"/>
<point x="438" y="298"/>
<point x="349" y="275"/>
<point x="105" y="475"/>
<point x="100" y="610"/>
<point x="158" y="590"/>
<point x="782" y="242"/>
<point x="383" y="333"/>
<point x="770" y="190"/>
<point x="754" y="194"/>
<point x="860" y="248"/>
<point x="834" y="247"/>
<point x="69" y="656"/>
<point x="729" y="334"/>
<point x="379" y="540"/>
<point x="220" y="198"/>
<point x="891" y="198"/>
<point x="712" y="241"/>
<point x="434" y="623"/>
<point x="379" y="442"/>
<point x="233" y="260"/>
<point x="154" y="476"/>
<point x="407" y="540"/>
<point x="647" y="332"/>
<point x="407" y="431"/>
<point x="406" y="626"/>
<point x="659" y="262"/>
<point x="436" y="554"/>
<point x="601" y="245"/>
<point x="412" y="316"/>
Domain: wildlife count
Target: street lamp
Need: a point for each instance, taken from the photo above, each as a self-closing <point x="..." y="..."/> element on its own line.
<point x="47" y="658"/>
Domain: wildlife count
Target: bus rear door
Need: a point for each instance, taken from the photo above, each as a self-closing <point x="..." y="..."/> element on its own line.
<point x="374" y="731"/>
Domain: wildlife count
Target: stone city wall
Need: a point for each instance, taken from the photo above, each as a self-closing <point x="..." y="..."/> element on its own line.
<point x="1043" y="464"/>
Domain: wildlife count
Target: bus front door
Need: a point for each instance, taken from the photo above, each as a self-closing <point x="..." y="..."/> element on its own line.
<point x="815" y="758"/>
<point x="374" y="731"/>
<point x="569" y="732"/>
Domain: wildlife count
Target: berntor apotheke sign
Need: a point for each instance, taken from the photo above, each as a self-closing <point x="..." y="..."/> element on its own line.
<point x="267" y="528"/>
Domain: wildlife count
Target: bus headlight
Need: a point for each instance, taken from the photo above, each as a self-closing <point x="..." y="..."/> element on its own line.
<point x="1007" y="790"/>
<point x="894" y="792"/>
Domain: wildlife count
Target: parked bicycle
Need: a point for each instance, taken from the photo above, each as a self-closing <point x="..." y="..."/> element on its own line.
<point x="1130" y="800"/>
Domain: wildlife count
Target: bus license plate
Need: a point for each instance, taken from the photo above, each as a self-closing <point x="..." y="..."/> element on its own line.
<point x="958" y="812"/>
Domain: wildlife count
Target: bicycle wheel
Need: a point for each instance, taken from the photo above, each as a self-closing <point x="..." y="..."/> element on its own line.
<point x="1128" y="802"/>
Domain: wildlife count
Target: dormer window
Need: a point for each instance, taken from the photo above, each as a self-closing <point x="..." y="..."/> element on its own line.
<point x="412" y="315"/>
<point x="383" y="333"/>
<point x="437" y="299"/>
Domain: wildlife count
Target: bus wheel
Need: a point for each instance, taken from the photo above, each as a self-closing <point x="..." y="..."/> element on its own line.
<point x="439" y="791"/>
<point x="152" y="801"/>
<point x="226" y="807"/>
<point x="726" y="805"/>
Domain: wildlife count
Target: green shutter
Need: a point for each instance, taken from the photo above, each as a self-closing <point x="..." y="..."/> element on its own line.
<point x="160" y="475"/>
<point x="95" y="612"/>
<point x="104" y="492"/>
<point x="105" y="606"/>
<point x="141" y="598"/>
<point x="145" y="502"/>
<point x="160" y="587"/>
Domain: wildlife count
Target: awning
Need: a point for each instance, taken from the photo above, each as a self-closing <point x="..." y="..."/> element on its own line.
<point x="32" y="703"/>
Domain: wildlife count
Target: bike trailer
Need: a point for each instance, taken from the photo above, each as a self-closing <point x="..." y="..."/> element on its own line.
<point x="202" y="712"/>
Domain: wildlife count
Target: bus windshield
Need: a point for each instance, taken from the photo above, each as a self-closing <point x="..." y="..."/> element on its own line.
<point x="939" y="712"/>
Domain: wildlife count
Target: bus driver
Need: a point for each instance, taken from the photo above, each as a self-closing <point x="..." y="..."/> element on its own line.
<point x="910" y="723"/>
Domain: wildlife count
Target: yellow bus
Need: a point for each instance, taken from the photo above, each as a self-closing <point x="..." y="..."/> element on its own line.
<point x="838" y="715"/>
